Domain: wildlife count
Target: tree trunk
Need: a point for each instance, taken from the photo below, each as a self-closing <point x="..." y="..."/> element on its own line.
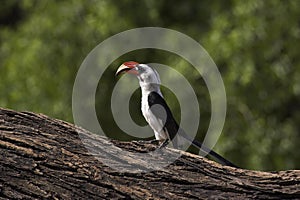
<point x="48" y="158"/>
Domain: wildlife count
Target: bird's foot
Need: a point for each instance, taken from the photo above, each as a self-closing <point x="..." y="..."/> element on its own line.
<point x="164" y="143"/>
<point x="154" y="141"/>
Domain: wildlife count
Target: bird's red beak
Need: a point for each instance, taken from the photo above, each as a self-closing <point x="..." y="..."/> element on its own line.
<point x="127" y="67"/>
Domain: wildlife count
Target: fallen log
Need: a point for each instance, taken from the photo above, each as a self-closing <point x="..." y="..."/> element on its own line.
<point x="41" y="158"/>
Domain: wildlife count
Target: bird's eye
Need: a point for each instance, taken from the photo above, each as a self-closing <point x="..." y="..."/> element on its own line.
<point x="140" y="68"/>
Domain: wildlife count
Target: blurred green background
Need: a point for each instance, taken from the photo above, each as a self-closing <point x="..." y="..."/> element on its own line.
<point x="255" y="45"/>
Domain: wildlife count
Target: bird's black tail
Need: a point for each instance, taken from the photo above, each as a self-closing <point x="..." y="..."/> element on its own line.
<point x="214" y="154"/>
<point x="207" y="150"/>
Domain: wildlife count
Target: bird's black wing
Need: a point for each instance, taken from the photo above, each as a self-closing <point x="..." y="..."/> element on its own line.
<point x="161" y="110"/>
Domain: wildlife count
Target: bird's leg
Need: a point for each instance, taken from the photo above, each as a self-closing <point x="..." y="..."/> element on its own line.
<point x="164" y="143"/>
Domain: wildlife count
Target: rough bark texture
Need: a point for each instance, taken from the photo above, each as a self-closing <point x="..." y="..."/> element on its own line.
<point x="44" y="158"/>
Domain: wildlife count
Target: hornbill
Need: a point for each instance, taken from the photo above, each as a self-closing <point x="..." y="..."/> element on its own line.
<point x="156" y="111"/>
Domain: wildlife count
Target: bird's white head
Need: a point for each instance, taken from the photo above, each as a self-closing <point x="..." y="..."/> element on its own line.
<point x="148" y="77"/>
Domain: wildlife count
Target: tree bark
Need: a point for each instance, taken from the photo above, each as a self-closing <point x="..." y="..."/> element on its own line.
<point x="44" y="158"/>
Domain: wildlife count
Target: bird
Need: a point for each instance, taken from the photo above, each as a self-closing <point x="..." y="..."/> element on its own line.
<point x="157" y="112"/>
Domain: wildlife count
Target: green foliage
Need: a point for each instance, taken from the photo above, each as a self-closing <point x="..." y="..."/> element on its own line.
<point x="254" y="43"/>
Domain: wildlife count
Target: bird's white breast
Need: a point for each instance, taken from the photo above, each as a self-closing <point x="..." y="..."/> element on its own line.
<point x="155" y="123"/>
<point x="145" y="108"/>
